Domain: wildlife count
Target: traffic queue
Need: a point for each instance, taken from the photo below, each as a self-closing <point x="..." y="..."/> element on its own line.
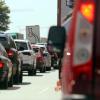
<point x="17" y="56"/>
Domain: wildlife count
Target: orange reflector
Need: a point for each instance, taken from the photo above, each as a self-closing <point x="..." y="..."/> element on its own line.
<point x="58" y="86"/>
<point x="88" y="11"/>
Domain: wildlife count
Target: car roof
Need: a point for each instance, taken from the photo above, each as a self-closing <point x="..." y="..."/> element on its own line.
<point x="38" y="45"/>
<point x="18" y="40"/>
<point x="4" y="34"/>
<point x="41" y="43"/>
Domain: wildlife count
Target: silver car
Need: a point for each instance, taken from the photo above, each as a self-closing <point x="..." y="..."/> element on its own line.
<point x="28" y="56"/>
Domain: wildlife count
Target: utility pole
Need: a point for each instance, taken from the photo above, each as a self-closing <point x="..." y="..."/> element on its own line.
<point x="59" y="13"/>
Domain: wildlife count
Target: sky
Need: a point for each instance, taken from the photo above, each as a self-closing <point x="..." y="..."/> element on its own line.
<point x="32" y="12"/>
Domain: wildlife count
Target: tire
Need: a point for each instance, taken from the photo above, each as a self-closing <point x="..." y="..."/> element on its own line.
<point x="10" y="83"/>
<point x="4" y="84"/>
<point x="42" y="69"/>
<point x="21" y="77"/>
<point x="16" y="78"/>
<point x="34" y="72"/>
<point x="56" y="67"/>
<point x="30" y="73"/>
<point x="48" y="68"/>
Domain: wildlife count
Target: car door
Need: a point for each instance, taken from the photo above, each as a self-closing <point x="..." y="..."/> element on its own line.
<point x="33" y="58"/>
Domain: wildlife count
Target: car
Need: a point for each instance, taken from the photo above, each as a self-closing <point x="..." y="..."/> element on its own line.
<point x="28" y="56"/>
<point x="6" y="72"/>
<point x="7" y="41"/>
<point x="40" y="60"/>
<point x="47" y="56"/>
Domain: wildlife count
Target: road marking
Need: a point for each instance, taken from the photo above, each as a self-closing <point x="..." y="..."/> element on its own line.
<point x="43" y="90"/>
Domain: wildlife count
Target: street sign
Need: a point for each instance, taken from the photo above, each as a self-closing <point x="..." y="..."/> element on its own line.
<point x="33" y="33"/>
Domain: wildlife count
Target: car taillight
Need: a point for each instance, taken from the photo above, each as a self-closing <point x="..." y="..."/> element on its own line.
<point x="10" y="53"/>
<point x="1" y="64"/>
<point x="39" y="58"/>
<point x="87" y="11"/>
<point x="83" y="33"/>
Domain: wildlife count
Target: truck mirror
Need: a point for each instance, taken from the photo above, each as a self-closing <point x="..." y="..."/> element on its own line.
<point x="56" y="40"/>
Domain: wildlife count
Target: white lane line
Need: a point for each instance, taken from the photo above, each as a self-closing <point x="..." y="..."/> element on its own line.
<point x="43" y="90"/>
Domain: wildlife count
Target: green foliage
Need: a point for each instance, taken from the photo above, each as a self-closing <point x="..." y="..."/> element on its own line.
<point x="4" y="16"/>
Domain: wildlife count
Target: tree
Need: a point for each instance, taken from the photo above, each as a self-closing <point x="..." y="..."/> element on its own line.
<point x="4" y="16"/>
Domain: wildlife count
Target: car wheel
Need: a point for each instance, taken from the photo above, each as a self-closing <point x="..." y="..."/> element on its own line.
<point x="10" y="83"/>
<point x="21" y="77"/>
<point x="30" y="73"/>
<point x="34" y="72"/>
<point x="42" y="69"/>
<point x="48" y="68"/>
<point x="4" y="84"/>
<point x="16" y="78"/>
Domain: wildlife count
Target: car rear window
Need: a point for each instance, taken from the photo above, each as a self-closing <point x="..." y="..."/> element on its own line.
<point x="21" y="45"/>
<point x="3" y="39"/>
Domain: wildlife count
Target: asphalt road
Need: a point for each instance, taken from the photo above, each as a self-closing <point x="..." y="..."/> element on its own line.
<point x="39" y="87"/>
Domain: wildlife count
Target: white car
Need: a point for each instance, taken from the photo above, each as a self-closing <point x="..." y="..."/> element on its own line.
<point x="28" y="56"/>
<point x="47" y="58"/>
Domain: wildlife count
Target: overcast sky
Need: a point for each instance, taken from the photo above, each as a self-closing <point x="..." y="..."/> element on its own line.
<point x="32" y="12"/>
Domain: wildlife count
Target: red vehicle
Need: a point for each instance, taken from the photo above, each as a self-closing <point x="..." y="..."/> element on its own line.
<point x="80" y="71"/>
<point x="40" y="61"/>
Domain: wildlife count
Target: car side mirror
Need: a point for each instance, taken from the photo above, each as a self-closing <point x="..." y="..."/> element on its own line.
<point x="56" y="40"/>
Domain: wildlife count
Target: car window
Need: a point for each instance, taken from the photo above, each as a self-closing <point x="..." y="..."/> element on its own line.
<point x="3" y="39"/>
<point x="21" y="45"/>
<point x="3" y="51"/>
<point x="29" y="46"/>
<point x="12" y="43"/>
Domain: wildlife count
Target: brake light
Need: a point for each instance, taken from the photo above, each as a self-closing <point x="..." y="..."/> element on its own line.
<point x="10" y="53"/>
<point x="87" y="11"/>
<point x="39" y="57"/>
<point x="1" y="64"/>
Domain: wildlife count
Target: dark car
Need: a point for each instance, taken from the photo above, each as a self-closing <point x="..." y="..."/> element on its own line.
<point x="12" y="52"/>
<point x="6" y="75"/>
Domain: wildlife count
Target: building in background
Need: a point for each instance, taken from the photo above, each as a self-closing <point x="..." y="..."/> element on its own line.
<point x="64" y="8"/>
<point x="33" y="33"/>
<point x="43" y="40"/>
<point x="16" y="35"/>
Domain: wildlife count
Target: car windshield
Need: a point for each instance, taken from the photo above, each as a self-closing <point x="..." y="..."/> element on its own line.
<point x="21" y="45"/>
